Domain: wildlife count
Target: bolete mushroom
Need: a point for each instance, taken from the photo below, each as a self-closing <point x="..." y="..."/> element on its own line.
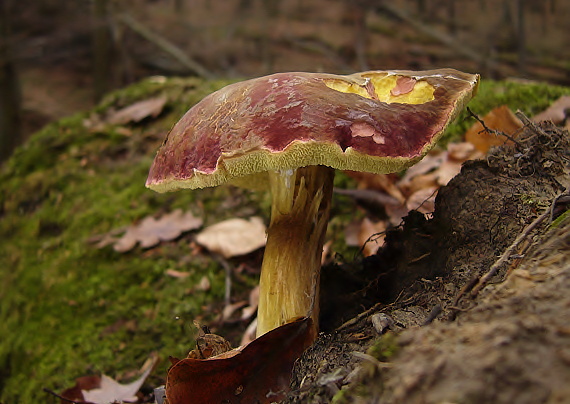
<point x="287" y="132"/>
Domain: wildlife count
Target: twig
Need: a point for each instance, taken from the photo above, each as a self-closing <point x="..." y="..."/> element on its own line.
<point x="507" y="254"/>
<point x="228" y="277"/>
<point x="495" y="132"/>
<point x="459" y="47"/>
<point x="166" y="46"/>
<point x="436" y="311"/>
<point x="374" y="308"/>
<point x="354" y="320"/>
<point x="370" y="239"/>
<point x="528" y="123"/>
<point x="53" y="393"/>
<point x="371" y="359"/>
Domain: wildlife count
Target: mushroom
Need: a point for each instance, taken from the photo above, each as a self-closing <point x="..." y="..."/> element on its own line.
<point x="287" y="133"/>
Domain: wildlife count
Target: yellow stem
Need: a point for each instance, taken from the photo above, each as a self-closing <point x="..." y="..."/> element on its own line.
<point x="289" y="285"/>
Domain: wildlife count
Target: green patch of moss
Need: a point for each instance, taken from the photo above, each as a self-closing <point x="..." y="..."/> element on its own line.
<point x="68" y="308"/>
<point x="560" y="219"/>
<point x="385" y="347"/>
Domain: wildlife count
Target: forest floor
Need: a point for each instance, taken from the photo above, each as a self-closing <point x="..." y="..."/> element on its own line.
<point x="479" y="294"/>
<point x="71" y="306"/>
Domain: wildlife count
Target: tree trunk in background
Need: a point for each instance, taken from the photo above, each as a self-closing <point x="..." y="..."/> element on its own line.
<point x="451" y="17"/>
<point x="10" y="130"/>
<point x="101" y="48"/>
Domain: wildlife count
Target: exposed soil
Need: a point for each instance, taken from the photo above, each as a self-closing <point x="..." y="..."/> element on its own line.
<point x="441" y="340"/>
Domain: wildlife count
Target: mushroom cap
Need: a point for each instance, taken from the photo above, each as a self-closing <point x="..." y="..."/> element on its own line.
<point x="375" y="121"/>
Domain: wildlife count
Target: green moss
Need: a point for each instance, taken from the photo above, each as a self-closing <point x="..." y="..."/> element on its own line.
<point x="560" y="219"/>
<point x="385" y="347"/>
<point x="67" y="308"/>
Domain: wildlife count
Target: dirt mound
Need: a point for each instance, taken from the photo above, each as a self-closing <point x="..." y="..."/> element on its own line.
<point x="508" y="343"/>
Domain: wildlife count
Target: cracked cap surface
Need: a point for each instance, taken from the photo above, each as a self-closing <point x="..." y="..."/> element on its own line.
<point x="376" y="121"/>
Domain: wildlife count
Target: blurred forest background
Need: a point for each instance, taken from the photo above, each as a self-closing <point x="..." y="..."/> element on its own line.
<point x="60" y="57"/>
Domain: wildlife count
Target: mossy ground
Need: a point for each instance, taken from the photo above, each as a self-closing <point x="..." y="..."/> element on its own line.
<point x="67" y="308"/>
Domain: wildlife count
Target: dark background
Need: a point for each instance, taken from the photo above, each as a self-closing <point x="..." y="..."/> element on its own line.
<point x="60" y="57"/>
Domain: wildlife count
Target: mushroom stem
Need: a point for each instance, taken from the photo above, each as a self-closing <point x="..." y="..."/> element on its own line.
<point x="289" y="285"/>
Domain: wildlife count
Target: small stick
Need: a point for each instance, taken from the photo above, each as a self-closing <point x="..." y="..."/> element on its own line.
<point x="507" y="254"/>
<point x="374" y="308"/>
<point x="437" y="309"/>
<point x="53" y="393"/>
<point x="495" y="132"/>
<point x="228" y="278"/>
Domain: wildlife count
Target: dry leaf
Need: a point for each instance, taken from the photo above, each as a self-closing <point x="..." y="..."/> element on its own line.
<point x="420" y="182"/>
<point x="105" y="390"/>
<point x="427" y="165"/>
<point x="230" y="309"/>
<point x="234" y="237"/>
<point x="368" y="229"/>
<point x="81" y="383"/>
<point x="379" y="182"/>
<point x="501" y="119"/>
<point x="177" y="274"/>
<point x="250" y="332"/>
<point x="461" y="151"/>
<point x="204" y="284"/>
<point x="150" y="231"/>
<point x="111" y="391"/>
<point x="351" y="233"/>
<point x="259" y="372"/>
<point x="447" y="171"/>
<point x="250" y="310"/>
<point x="208" y="345"/>
<point x="557" y="112"/>
<point x="423" y="200"/>
<point x="138" y="111"/>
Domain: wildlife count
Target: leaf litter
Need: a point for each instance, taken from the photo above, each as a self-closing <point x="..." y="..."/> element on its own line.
<point x="104" y="389"/>
<point x="149" y="232"/>
<point x="234" y="237"/>
<point x="418" y="187"/>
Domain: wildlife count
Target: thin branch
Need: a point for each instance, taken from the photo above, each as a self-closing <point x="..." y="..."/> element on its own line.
<point x="458" y="47"/>
<point x="53" y="393"/>
<point x="519" y="146"/>
<point x="507" y="254"/>
<point x="166" y="46"/>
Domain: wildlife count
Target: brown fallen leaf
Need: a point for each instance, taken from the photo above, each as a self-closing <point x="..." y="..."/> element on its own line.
<point x="207" y="344"/>
<point x="249" y="333"/>
<point x="371" y="236"/>
<point x="234" y="237"/>
<point x="558" y="112"/>
<point x="138" y="111"/>
<point x="230" y="309"/>
<point x="423" y="200"/>
<point x="410" y="183"/>
<point x="177" y="274"/>
<point x="462" y="151"/>
<point x="258" y="372"/>
<point x="104" y="389"/>
<point x="150" y="231"/>
<point x="250" y="310"/>
<point x="447" y="171"/>
<point x="379" y="182"/>
<point x="501" y="119"/>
